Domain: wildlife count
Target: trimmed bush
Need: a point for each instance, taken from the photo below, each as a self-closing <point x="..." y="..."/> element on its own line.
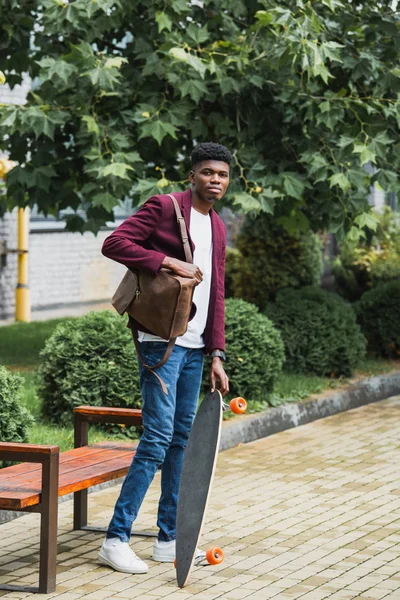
<point x="90" y="360"/>
<point x="233" y="273"/>
<point x="364" y="264"/>
<point x="14" y="418"/>
<point x="378" y="313"/>
<point x="273" y="259"/>
<point x="319" y="330"/>
<point x="254" y="351"/>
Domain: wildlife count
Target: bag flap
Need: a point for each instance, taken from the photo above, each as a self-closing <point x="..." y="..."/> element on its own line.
<point x="125" y="292"/>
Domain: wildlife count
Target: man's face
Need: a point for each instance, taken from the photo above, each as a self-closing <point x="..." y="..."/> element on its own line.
<point x="210" y="179"/>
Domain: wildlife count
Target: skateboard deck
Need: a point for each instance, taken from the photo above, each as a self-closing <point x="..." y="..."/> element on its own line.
<point x="196" y="479"/>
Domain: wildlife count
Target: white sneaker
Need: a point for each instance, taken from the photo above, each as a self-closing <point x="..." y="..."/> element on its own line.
<point x="166" y="552"/>
<point x="120" y="556"/>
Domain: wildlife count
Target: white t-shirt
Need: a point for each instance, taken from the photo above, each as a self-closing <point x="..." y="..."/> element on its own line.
<point x="200" y="231"/>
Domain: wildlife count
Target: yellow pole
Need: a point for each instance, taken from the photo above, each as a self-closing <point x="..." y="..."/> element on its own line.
<point x="22" y="296"/>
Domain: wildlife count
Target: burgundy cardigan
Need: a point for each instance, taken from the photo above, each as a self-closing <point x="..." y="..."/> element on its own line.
<point x="145" y="238"/>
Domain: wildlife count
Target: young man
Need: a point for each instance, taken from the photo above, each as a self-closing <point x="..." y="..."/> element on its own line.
<point x="150" y="239"/>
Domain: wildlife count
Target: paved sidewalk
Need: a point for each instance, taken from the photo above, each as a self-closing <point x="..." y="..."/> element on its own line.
<point x="310" y="513"/>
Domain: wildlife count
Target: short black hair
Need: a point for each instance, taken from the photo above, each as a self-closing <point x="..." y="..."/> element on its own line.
<point x="210" y="151"/>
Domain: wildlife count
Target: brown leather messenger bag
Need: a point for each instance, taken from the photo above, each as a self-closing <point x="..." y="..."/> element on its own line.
<point x="161" y="303"/>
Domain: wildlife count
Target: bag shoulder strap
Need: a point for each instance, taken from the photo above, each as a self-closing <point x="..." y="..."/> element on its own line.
<point x="168" y="352"/>
<point x="171" y="343"/>
<point x="183" y="230"/>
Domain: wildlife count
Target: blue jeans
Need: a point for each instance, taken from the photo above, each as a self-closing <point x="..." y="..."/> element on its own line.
<point x="167" y="421"/>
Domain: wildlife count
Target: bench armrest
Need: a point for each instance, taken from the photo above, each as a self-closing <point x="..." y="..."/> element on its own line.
<point x="17" y="452"/>
<point x="83" y="415"/>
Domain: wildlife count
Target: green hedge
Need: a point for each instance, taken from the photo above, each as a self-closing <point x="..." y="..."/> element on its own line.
<point x="364" y="264"/>
<point x="90" y="360"/>
<point x="270" y="259"/>
<point x="14" y="418"/>
<point x="378" y="313"/>
<point x="254" y="350"/>
<point x="233" y="273"/>
<point x="319" y="331"/>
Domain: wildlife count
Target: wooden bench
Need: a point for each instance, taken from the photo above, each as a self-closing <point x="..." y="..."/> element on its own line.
<point x="35" y="488"/>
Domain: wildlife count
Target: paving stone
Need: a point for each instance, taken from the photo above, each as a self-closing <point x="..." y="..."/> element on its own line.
<point x="306" y="514"/>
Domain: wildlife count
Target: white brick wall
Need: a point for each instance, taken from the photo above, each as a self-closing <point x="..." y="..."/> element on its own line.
<point x="64" y="268"/>
<point x="68" y="268"/>
<point x="18" y="94"/>
<point x="8" y="234"/>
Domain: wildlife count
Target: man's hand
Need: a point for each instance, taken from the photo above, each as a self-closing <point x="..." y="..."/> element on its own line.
<point x="217" y="373"/>
<point x="182" y="268"/>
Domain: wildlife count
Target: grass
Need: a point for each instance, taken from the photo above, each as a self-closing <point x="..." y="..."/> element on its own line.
<point x="29" y="396"/>
<point x="21" y="343"/>
<point x="63" y="437"/>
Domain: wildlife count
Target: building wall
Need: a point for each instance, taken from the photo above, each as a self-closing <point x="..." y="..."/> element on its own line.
<point x="64" y="269"/>
<point x="68" y="268"/>
<point x="8" y="264"/>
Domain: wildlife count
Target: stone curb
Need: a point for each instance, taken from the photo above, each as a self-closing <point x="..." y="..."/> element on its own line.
<point x="247" y="428"/>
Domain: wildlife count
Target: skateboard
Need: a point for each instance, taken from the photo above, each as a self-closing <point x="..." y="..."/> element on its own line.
<point x="198" y="469"/>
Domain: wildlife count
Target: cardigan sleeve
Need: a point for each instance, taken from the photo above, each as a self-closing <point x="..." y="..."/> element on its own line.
<point x="124" y="245"/>
<point x="218" y="336"/>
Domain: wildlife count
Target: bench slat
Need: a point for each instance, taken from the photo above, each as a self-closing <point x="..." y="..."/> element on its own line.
<point x="28" y="469"/>
<point x="77" y="473"/>
<point x="76" y="459"/>
<point x="134" y="413"/>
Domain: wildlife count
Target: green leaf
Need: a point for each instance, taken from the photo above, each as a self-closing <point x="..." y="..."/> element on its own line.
<point x="92" y="124"/>
<point x="115" y="62"/>
<point x="105" y="200"/>
<point x="181" y="6"/>
<point x="331" y="50"/>
<point x="10" y="118"/>
<point x="51" y="68"/>
<point x="322" y="71"/>
<point x="158" y="130"/>
<point x="367" y="220"/>
<point x="163" y="21"/>
<point x="192" y="60"/>
<point x="325" y="106"/>
<point x="194" y="88"/>
<point x="179" y="54"/>
<point x="39" y="121"/>
<point x="293" y="186"/>
<point x="118" y="170"/>
<point x="228" y="85"/>
<point x="340" y="180"/>
<point x="197" y="34"/>
<point x="366" y="154"/>
<point x="284" y="17"/>
<point x="104" y="78"/>
<point x="263" y="17"/>
<point x="197" y="64"/>
<point x="246" y="202"/>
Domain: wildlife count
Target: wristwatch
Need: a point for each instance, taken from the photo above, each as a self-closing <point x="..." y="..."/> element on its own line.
<point x="218" y="353"/>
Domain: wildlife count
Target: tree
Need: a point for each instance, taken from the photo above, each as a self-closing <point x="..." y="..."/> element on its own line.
<point x="306" y="93"/>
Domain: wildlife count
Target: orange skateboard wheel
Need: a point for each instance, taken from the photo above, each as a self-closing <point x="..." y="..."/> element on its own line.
<point x="238" y="405"/>
<point x="175" y="563"/>
<point x="214" y="556"/>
